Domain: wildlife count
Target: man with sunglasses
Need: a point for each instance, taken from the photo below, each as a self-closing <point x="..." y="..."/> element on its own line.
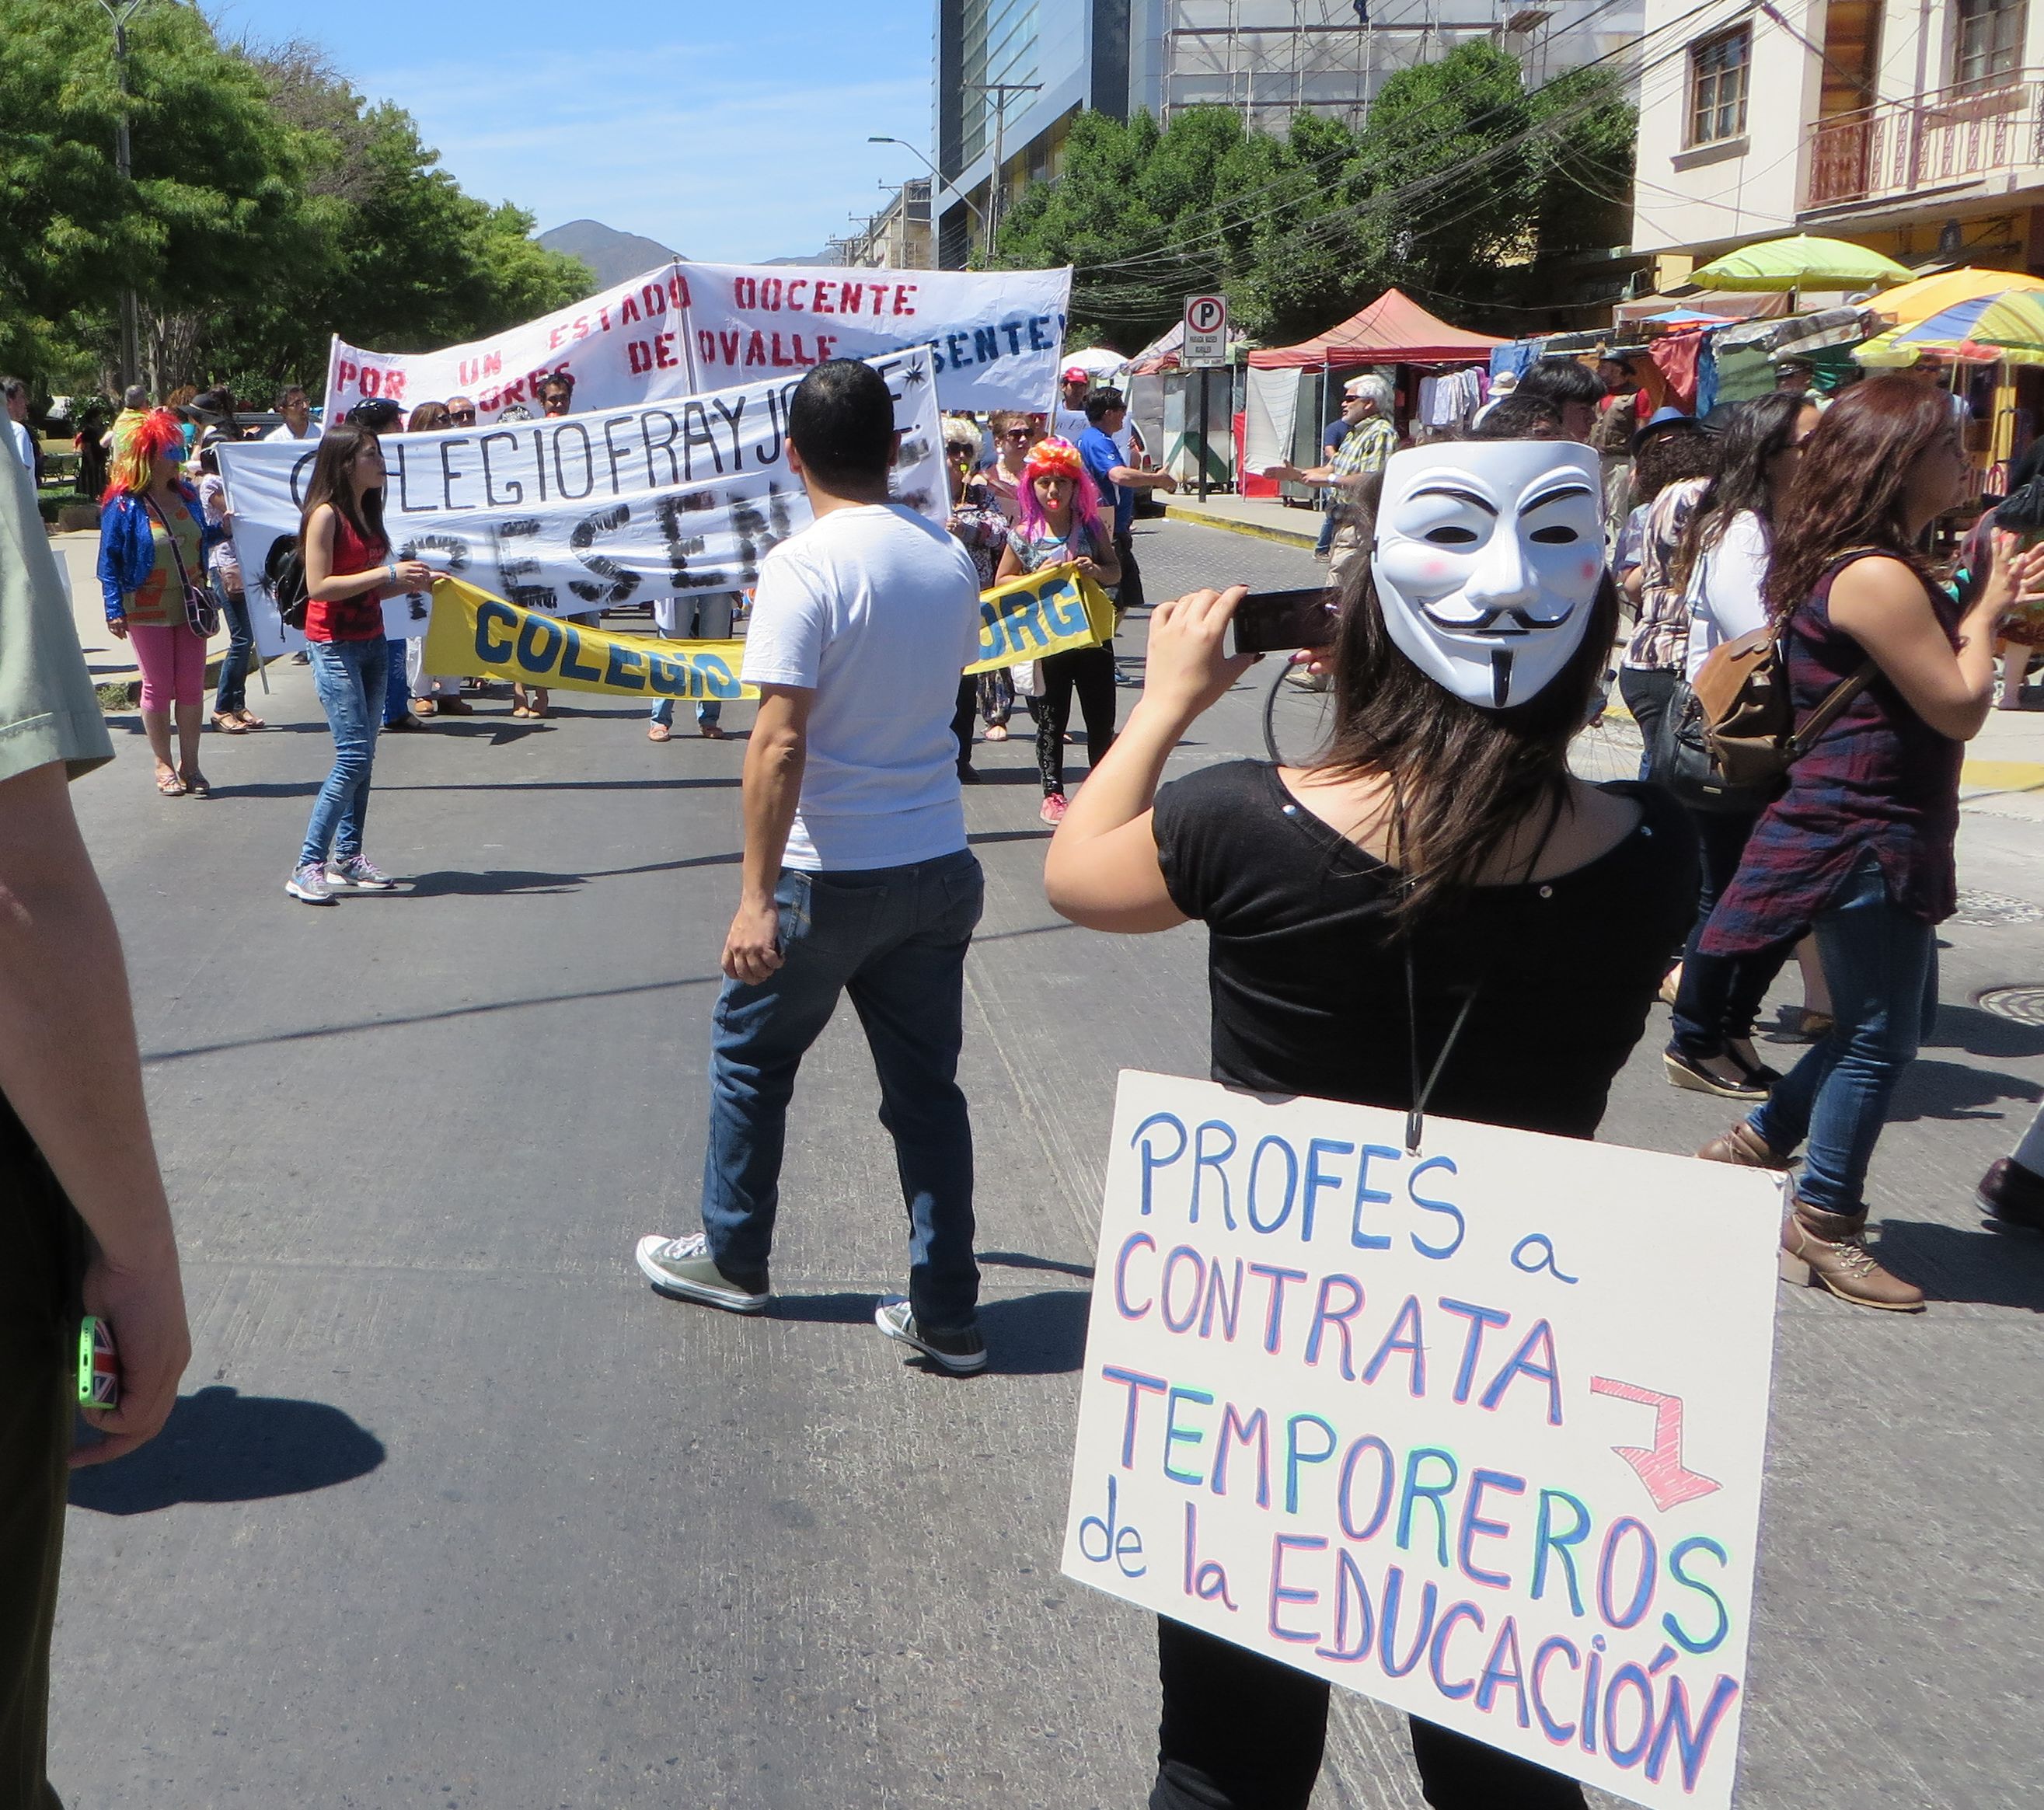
<point x="461" y="411"/>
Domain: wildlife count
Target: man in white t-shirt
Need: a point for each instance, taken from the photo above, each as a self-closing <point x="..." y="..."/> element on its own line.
<point x="856" y="878"/>
<point x="298" y="421"/>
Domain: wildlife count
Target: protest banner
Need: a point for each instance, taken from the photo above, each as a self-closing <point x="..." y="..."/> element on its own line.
<point x="1439" y="1427"/>
<point x="1049" y="611"/>
<point x="997" y="336"/>
<point x="995" y="339"/>
<point x="624" y="347"/>
<point x="472" y="631"/>
<point x="587" y="511"/>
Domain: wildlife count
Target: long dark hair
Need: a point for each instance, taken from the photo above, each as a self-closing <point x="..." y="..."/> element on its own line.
<point x="1851" y="487"/>
<point x="1758" y="430"/>
<point x="1462" y="779"/>
<point x="330" y="483"/>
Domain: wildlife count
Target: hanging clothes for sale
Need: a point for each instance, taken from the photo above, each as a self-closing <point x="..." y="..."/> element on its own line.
<point x="1675" y="355"/>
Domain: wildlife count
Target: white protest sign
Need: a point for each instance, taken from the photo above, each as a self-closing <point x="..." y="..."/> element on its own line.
<point x="585" y="511"/>
<point x="626" y="345"/>
<point x="1477" y="1432"/>
<point x="996" y="335"/>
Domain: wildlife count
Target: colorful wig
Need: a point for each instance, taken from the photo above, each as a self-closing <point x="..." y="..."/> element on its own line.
<point x="136" y="446"/>
<point x="1060" y="458"/>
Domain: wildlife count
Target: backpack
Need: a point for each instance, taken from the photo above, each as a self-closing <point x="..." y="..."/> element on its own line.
<point x="285" y="571"/>
<point x="1730" y="736"/>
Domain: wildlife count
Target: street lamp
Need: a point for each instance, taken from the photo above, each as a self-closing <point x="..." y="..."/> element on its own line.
<point x="936" y="175"/>
<point x="121" y="11"/>
<point x="1000" y="91"/>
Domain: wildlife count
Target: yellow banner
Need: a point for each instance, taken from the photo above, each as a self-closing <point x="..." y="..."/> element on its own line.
<point x="472" y="631"/>
<point x="1050" y="612"/>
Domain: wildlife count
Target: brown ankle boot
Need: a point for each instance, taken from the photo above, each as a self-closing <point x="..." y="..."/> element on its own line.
<point x="1743" y="1146"/>
<point x="1828" y="1250"/>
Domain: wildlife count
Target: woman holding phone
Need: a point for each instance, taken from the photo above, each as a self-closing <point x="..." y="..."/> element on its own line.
<point x="1431" y="890"/>
<point x="1058" y="523"/>
<point x="348" y="573"/>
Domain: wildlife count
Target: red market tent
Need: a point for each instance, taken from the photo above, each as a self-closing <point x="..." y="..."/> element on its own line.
<point x="1393" y="329"/>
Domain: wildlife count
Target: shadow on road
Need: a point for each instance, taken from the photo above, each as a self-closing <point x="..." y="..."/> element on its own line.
<point x="1985" y="1033"/>
<point x="1933" y="1089"/>
<point x="491" y="881"/>
<point x="1027" y="1335"/>
<point x="1951" y="1263"/>
<point x="220" y="1445"/>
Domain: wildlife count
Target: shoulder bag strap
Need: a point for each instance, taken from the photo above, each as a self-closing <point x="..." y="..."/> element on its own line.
<point x="170" y="534"/>
<point x="1847" y="689"/>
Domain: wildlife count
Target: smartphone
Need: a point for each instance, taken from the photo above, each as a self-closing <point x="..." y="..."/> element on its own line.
<point x="98" y="1364"/>
<point x="1277" y="621"/>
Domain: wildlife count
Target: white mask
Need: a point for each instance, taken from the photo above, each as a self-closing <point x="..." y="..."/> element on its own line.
<point x="1489" y="557"/>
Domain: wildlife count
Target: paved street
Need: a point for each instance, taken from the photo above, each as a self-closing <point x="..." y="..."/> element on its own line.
<point x="457" y="1512"/>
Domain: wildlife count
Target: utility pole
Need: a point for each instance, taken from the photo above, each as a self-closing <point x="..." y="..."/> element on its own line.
<point x="131" y="356"/>
<point x="1000" y="91"/>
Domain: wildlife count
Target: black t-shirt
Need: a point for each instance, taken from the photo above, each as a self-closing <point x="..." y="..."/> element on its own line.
<point x="1309" y="992"/>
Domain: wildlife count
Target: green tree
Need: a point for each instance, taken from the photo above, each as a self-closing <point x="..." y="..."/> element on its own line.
<point x="1460" y="186"/>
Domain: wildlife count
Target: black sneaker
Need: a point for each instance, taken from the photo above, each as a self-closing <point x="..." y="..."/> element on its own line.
<point x="960" y="1353"/>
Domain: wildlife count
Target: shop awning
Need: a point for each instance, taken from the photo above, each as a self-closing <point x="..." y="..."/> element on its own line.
<point x="1393" y="329"/>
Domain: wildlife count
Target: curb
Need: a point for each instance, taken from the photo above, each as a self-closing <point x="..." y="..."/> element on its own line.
<point x="1307" y="538"/>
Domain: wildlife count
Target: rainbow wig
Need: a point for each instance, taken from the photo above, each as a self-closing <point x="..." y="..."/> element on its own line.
<point x="1059" y="457"/>
<point x="136" y="446"/>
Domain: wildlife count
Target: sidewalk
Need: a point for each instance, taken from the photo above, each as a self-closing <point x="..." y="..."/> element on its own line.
<point x="1264" y="517"/>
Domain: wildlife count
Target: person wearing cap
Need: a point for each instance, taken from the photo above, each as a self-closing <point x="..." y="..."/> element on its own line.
<point x="1068" y="420"/>
<point x="1366" y="404"/>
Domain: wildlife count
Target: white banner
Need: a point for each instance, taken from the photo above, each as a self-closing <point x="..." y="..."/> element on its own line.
<point x="626" y="346"/>
<point x="997" y="336"/>
<point x="1447" y="1429"/>
<point x="587" y="511"/>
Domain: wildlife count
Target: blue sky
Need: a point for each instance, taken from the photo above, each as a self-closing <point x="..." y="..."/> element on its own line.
<point x="732" y="132"/>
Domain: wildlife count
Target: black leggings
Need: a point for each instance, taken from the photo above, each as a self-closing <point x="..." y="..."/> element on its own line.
<point x="1243" y="1732"/>
<point x="1720" y="996"/>
<point x="1089" y="671"/>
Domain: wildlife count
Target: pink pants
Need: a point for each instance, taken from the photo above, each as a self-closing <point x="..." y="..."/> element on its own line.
<point x="173" y="663"/>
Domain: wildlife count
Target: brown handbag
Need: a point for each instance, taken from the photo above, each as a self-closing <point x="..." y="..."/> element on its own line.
<point x="1730" y="735"/>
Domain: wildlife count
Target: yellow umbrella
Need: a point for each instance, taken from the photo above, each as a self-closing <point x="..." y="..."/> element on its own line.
<point x="1930" y="295"/>
<point x="1800" y="261"/>
<point x="2008" y="326"/>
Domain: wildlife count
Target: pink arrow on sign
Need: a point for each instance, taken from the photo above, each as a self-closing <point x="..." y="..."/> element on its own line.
<point x="1669" y="1480"/>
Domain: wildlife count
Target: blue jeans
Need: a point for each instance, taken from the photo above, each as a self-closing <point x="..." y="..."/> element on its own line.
<point x="895" y="939"/>
<point x="233" y="694"/>
<point x="707" y="710"/>
<point x="350" y="678"/>
<point x="1881" y="965"/>
<point x="1330" y="516"/>
<point x="397" y="688"/>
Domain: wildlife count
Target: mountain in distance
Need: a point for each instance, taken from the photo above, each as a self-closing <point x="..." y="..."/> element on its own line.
<point x="614" y="256"/>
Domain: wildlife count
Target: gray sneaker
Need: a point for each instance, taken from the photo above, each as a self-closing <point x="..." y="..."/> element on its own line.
<point x="960" y="1353"/>
<point x="683" y="1267"/>
<point x="358" y="871"/>
<point x="309" y="884"/>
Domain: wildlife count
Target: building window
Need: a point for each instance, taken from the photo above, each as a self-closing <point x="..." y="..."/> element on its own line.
<point x="1990" y="44"/>
<point x="1717" y="85"/>
<point x="997" y="44"/>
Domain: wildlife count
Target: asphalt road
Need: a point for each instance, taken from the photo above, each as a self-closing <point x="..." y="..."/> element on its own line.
<point x="457" y="1512"/>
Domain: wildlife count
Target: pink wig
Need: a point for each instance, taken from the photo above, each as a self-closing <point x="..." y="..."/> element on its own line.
<point x="135" y="445"/>
<point x="1059" y="457"/>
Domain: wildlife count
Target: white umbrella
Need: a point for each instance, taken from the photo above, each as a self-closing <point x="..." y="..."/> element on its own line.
<point x="1096" y="361"/>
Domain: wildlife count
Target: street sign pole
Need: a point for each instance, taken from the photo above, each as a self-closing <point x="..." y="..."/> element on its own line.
<point x="1205" y="346"/>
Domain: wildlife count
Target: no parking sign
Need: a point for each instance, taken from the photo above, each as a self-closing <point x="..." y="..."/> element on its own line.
<point x="1206" y="330"/>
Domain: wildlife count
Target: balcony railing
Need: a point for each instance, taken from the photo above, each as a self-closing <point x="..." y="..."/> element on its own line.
<point x="1899" y="147"/>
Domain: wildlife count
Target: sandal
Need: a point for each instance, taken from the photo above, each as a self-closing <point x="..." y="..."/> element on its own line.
<point x="228" y="723"/>
<point x="658" y="732"/>
<point x="196" y="785"/>
<point x="996" y="731"/>
<point x="251" y="720"/>
<point x="713" y="731"/>
<point x="169" y="784"/>
<point x="425" y="707"/>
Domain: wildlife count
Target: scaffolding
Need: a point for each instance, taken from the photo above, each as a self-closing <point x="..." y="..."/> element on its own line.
<point x="1270" y="60"/>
